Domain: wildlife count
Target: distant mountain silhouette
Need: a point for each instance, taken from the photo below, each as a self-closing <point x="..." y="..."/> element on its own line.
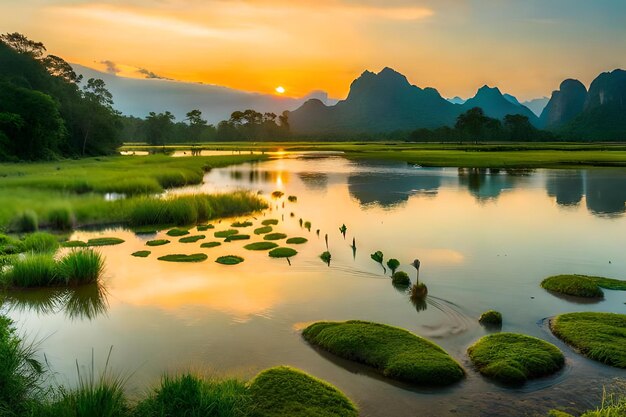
<point x="376" y="103"/>
<point x="497" y="105"/>
<point x="565" y="104"/>
<point x="537" y="105"/>
<point x="456" y="100"/>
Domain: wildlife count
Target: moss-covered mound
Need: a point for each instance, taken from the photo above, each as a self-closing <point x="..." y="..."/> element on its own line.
<point x="283" y="253"/>
<point x="261" y="246"/>
<point x="177" y="232"/>
<point x="513" y="358"/>
<point x="573" y="285"/>
<point x="395" y="352"/>
<point x="208" y="245"/>
<point x="242" y="224"/>
<point x="275" y="236"/>
<point x="191" y="239"/>
<point x="269" y="222"/>
<point x="297" y="240"/>
<point x="237" y="237"/>
<point x="401" y="279"/>
<point x="229" y="260"/>
<point x="608" y="283"/>
<point x="157" y="242"/>
<point x="226" y="233"/>
<point x="599" y="336"/>
<point x="196" y="257"/>
<point x="284" y="391"/>
<point x="491" y="318"/>
<point x="205" y="227"/>
<point x="141" y="254"/>
<point x="105" y="241"/>
<point x="263" y="230"/>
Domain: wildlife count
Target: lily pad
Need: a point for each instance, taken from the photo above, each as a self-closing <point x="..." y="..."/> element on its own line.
<point x="261" y="246"/>
<point x="205" y="227"/>
<point x="237" y="237"/>
<point x="283" y="253"/>
<point x="191" y="239"/>
<point x="105" y="241"/>
<point x="196" y="257"/>
<point x="157" y="242"/>
<point x="226" y="233"/>
<point x="263" y="230"/>
<point x="229" y="260"/>
<point x="242" y="224"/>
<point x="177" y="232"/>
<point x="269" y="222"/>
<point x="275" y="236"/>
<point x="210" y="244"/>
<point x="142" y="254"/>
<point x="297" y="240"/>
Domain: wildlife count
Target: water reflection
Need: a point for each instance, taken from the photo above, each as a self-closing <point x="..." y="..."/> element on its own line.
<point x="606" y="192"/>
<point x="487" y="184"/>
<point x="566" y="186"/>
<point x="314" y="181"/>
<point x="85" y="302"/>
<point x="390" y="189"/>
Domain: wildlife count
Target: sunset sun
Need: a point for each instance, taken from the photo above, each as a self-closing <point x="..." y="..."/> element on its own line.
<point x="280" y="90"/>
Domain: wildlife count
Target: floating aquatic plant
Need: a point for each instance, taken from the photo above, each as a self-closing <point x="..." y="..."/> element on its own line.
<point x="177" y="232"/>
<point x="261" y="246"/>
<point x="237" y="237"/>
<point x="343" y="230"/>
<point x="393" y="264"/>
<point x="401" y="279"/>
<point x="226" y="233"/>
<point x="491" y="318"/>
<point x="229" y="260"/>
<point x="275" y="236"/>
<point x="307" y="226"/>
<point x="269" y="222"/>
<point x="157" y="242"/>
<point x="105" y="241"/>
<point x="191" y="239"/>
<point x="74" y="244"/>
<point x="210" y="244"/>
<point x="301" y="222"/>
<point x="378" y="257"/>
<point x="277" y="194"/>
<point x="141" y="254"/>
<point x="196" y="257"/>
<point x="283" y="253"/>
<point x="205" y="227"/>
<point x="326" y="256"/>
<point x="242" y="224"/>
<point x="263" y="230"/>
<point x="297" y="240"/>
<point x="292" y="198"/>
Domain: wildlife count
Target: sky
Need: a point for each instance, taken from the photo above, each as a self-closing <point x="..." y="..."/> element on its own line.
<point x="525" y="47"/>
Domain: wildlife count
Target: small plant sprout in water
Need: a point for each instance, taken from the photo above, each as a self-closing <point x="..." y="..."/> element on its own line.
<point x="393" y="264"/>
<point x="417" y="295"/>
<point x="343" y="229"/>
<point x="301" y="222"/>
<point x="317" y="232"/>
<point x="277" y="194"/>
<point x="416" y="264"/>
<point x="353" y="246"/>
<point x="378" y="257"/>
<point x="307" y="226"/>
<point x="326" y="239"/>
<point x="292" y="199"/>
<point x="326" y="257"/>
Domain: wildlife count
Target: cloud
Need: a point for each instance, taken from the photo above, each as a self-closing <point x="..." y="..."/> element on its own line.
<point x="151" y="75"/>
<point x="111" y="67"/>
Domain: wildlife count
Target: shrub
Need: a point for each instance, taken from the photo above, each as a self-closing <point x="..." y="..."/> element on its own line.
<point x="40" y="243"/>
<point x="491" y="318"/>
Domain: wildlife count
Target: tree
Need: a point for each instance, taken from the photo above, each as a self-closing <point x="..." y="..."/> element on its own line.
<point x="159" y="127"/>
<point x="519" y="127"/>
<point x="472" y="122"/>
<point x="197" y="124"/>
<point x="23" y="45"/>
<point x="58" y="67"/>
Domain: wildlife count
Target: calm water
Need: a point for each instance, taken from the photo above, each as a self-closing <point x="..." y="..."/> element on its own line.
<point x="485" y="241"/>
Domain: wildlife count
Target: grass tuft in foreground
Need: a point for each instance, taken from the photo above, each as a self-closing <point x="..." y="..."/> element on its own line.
<point x="196" y="257"/>
<point x="80" y="267"/>
<point x="513" y="358"/>
<point x="284" y="391"/>
<point x="40" y="242"/>
<point x="395" y="352"/>
<point x="37" y="270"/>
<point x="598" y="336"/>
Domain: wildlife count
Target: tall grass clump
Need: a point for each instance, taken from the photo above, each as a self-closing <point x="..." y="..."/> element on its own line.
<point x="79" y="267"/>
<point x="40" y="243"/>
<point x="10" y="245"/>
<point x="61" y="218"/>
<point x="37" y="270"/>
<point x="20" y="372"/>
<point x="27" y="221"/>
<point x="191" y="396"/>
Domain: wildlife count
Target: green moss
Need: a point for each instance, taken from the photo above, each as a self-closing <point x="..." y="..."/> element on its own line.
<point x="242" y="224"/>
<point x="284" y="391"/>
<point x="74" y="244"/>
<point x="401" y="279"/>
<point x="269" y="222"/>
<point x="275" y="236"/>
<point x="237" y="237"/>
<point x="491" y="317"/>
<point x="191" y="239"/>
<point x="141" y="254"/>
<point x="573" y="285"/>
<point x="609" y="283"/>
<point x="205" y="227"/>
<point x="177" y="232"/>
<point x="196" y="257"/>
<point x="208" y="245"/>
<point x="513" y="358"/>
<point x="296" y="240"/>
<point x="229" y="260"/>
<point x="263" y="230"/>
<point x="283" y="253"/>
<point x="226" y="233"/>
<point x="261" y="246"/>
<point x="157" y="242"/>
<point x="105" y="241"/>
<point x="599" y="336"/>
<point x="394" y="352"/>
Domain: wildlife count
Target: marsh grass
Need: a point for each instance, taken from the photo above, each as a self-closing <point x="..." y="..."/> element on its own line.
<point x="210" y="244"/>
<point x="512" y="358"/>
<point x="157" y="242"/>
<point x="229" y="260"/>
<point x="61" y="218"/>
<point x="37" y="270"/>
<point x="263" y="230"/>
<point x="573" y="285"/>
<point x="25" y="222"/>
<point x="105" y="241"/>
<point x="261" y="246"/>
<point x="284" y="391"/>
<point x="307" y="226"/>
<point x="598" y="336"/>
<point x="296" y="240"/>
<point x="196" y="257"/>
<point x="177" y="232"/>
<point x="394" y="352"/>
<point x="191" y="396"/>
<point x="283" y="253"/>
<point x="191" y="239"/>
<point x="609" y="283"/>
<point x="141" y="254"/>
<point x="40" y="242"/>
<point x="275" y="236"/>
<point x="10" y="245"/>
<point x="269" y="222"/>
<point x="83" y="266"/>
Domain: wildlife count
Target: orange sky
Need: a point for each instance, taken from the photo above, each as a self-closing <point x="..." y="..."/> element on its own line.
<point x="526" y="48"/>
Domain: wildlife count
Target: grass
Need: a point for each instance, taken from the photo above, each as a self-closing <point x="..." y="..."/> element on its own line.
<point x="226" y="233"/>
<point x="191" y="239"/>
<point x="598" y="336"/>
<point x="394" y="352"/>
<point x="573" y="285"/>
<point x="284" y="391"/>
<point x="40" y="242"/>
<point x="196" y="257"/>
<point x="37" y="270"/>
<point x="141" y="254"/>
<point x="157" y="242"/>
<point x="229" y="260"/>
<point x="401" y="279"/>
<point x="177" y="232"/>
<point x="210" y="244"/>
<point x="105" y="241"/>
<point x="263" y="230"/>
<point x="261" y="246"/>
<point x="283" y="253"/>
<point x="512" y="358"/>
<point x="491" y="318"/>
<point x="269" y="222"/>
<point x="608" y="283"/>
<point x="61" y="218"/>
<point x="26" y="222"/>
<point x="242" y="224"/>
<point x="83" y="266"/>
<point x="297" y="240"/>
<point x="205" y="227"/>
<point x="275" y="236"/>
<point x="190" y="396"/>
<point x="74" y="244"/>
